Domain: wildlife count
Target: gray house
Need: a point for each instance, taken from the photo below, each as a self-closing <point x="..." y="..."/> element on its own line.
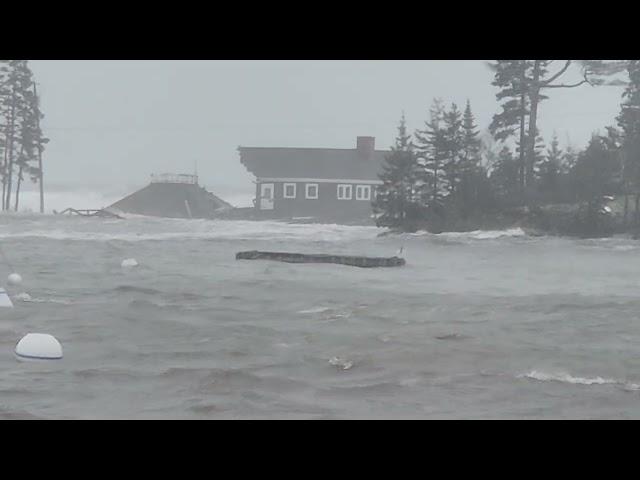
<point x="322" y="184"/>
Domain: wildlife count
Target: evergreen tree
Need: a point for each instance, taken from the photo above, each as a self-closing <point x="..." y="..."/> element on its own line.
<point x="5" y="93"/>
<point x="453" y="147"/>
<point x="21" y="139"/>
<point x="472" y="142"/>
<point x="593" y="73"/>
<point x="511" y="77"/>
<point x="597" y="170"/>
<point x="32" y="144"/>
<point x="629" y="122"/>
<point x="526" y="80"/>
<point x="504" y="176"/>
<point x="551" y="168"/>
<point x="595" y="175"/>
<point x="433" y="153"/>
<point x="472" y="175"/>
<point x="532" y="167"/>
<point x="569" y="159"/>
<point x="395" y="204"/>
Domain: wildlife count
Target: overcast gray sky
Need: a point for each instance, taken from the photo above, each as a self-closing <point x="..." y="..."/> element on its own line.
<point x="113" y="123"/>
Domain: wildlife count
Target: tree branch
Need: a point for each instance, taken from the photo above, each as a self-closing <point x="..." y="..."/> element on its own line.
<point x="562" y="70"/>
<point x="569" y="86"/>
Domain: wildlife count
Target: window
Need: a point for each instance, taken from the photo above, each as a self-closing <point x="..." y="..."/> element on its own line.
<point x="289" y="190"/>
<point x="312" y="191"/>
<point x="344" y="192"/>
<point x="363" y="192"/>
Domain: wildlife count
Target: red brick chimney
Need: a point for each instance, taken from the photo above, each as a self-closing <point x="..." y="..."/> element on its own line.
<point x="366" y="146"/>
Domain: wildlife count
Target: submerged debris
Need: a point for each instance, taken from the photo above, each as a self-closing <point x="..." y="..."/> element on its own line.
<point x="341" y="363"/>
<point x="362" y="262"/>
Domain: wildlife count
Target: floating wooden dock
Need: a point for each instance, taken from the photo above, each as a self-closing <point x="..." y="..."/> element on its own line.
<point x="362" y="262"/>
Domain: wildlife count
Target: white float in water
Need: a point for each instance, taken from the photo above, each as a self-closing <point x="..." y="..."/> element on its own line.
<point x="14" y="279"/>
<point x="39" y="346"/>
<point x="129" y="263"/>
<point x="5" y="301"/>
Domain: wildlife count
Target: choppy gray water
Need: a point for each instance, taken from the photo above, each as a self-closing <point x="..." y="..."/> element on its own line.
<point x="478" y="325"/>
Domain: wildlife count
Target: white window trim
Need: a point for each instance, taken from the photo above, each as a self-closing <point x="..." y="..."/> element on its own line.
<point x="284" y="190"/>
<point x="347" y="188"/>
<point x="366" y="189"/>
<point x="306" y="191"/>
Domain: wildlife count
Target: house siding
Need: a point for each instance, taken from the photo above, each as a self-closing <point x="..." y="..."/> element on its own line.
<point x="326" y="207"/>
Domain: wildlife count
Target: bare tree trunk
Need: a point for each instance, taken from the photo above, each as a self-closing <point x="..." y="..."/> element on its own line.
<point x="4" y="167"/>
<point x="626" y="209"/>
<point x="19" y="180"/>
<point x="533" y="119"/>
<point x="7" y="201"/>
<point x="41" y="173"/>
<point x="18" y="188"/>
<point x="523" y="106"/>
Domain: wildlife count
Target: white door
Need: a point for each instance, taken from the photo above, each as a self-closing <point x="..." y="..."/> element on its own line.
<point x="266" y="196"/>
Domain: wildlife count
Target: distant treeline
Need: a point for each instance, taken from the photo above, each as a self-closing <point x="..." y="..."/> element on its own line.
<point x="445" y="175"/>
<point x="21" y="139"/>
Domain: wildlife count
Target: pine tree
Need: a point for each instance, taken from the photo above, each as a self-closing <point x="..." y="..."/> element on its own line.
<point x="569" y="159"/>
<point x="597" y="170"/>
<point x="454" y="147"/>
<point x="504" y="176"/>
<point x="395" y="204"/>
<point x="511" y="77"/>
<point x="5" y="93"/>
<point x="16" y="112"/>
<point x="629" y="122"/>
<point x="471" y="172"/>
<point x="32" y="144"/>
<point x="472" y="142"/>
<point x="551" y="168"/>
<point x="594" y="72"/>
<point x="527" y="80"/>
<point x="432" y="150"/>
<point x="21" y="138"/>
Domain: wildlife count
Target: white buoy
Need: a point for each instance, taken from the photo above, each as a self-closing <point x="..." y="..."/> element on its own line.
<point x="39" y="346"/>
<point x="5" y="300"/>
<point x="14" y="279"/>
<point x="129" y="263"/>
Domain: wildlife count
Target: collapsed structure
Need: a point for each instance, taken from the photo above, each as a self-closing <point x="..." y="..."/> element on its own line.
<point x="172" y="196"/>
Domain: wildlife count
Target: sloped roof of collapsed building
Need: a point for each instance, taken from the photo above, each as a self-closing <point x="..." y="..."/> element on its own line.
<point x="172" y="196"/>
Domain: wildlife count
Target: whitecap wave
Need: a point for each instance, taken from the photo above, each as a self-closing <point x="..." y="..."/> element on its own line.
<point x="23" y="297"/>
<point x="487" y="234"/>
<point x="570" y="379"/>
<point x="314" y="310"/>
<point x="474" y="235"/>
<point x="168" y="229"/>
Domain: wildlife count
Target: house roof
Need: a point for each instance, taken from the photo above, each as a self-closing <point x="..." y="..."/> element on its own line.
<point x="317" y="163"/>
